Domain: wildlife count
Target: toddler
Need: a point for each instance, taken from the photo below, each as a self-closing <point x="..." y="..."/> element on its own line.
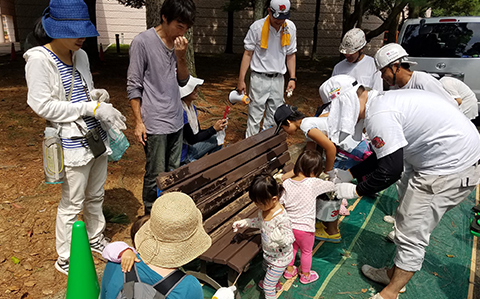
<point x="276" y="230"/>
<point x="299" y="200"/>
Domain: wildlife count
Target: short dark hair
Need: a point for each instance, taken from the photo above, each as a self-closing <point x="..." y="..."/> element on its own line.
<point x="39" y="33"/>
<point x="296" y="115"/>
<point x="182" y="11"/>
<point x="309" y="163"/>
<point x="263" y="188"/>
<point x="136" y="226"/>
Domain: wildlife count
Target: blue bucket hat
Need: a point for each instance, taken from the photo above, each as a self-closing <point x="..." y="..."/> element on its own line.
<point x="68" y="19"/>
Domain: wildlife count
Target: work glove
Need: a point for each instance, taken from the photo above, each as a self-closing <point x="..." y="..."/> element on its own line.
<point x="100" y="95"/>
<point x="277" y="237"/>
<point x="340" y="176"/>
<point x="239" y="224"/>
<point x="225" y="293"/>
<point x="278" y="176"/>
<point x="346" y="190"/>
<point x="110" y="116"/>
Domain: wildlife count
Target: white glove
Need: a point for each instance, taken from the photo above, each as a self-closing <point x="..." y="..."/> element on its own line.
<point x="340" y="176"/>
<point x="225" y="293"/>
<point x="100" y="95"/>
<point x="239" y="224"/>
<point x="277" y="237"/>
<point x="110" y="116"/>
<point x="346" y="190"/>
<point x="278" y="176"/>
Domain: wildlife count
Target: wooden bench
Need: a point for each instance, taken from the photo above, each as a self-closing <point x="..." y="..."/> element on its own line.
<point x="218" y="183"/>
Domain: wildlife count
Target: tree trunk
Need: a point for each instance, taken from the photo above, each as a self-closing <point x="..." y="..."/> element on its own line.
<point x="229" y="45"/>
<point x="315" y="27"/>
<point x="259" y="9"/>
<point x="153" y="19"/>
<point x="90" y="44"/>
<point x="392" y="18"/>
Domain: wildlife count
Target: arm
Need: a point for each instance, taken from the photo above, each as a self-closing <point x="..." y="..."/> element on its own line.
<point x="247" y="57"/>
<point x="329" y="147"/>
<point x="291" y="66"/>
<point x="140" y="129"/>
<point x="388" y="171"/>
<point x="200" y="136"/>
<point x="113" y="251"/>
<point x="365" y="167"/>
<point x="181" y="45"/>
<point x="247" y="222"/>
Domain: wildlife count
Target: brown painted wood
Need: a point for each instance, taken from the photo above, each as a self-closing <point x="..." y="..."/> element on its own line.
<point x="166" y="179"/>
<point x="245" y="254"/>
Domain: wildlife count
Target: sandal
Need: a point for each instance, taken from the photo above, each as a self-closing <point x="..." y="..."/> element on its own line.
<point x="290" y="275"/>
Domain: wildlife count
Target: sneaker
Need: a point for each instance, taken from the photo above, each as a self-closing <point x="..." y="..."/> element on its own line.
<point x="99" y="245"/>
<point x="278" y="287"/>
<point x="378" y="275"/>
<point x="311" y="278"/>
<point x="391" y="236"/>
<point x="290" y="275"/>
<point x="389" y="219"/>
<point x="321" y="234"/>
<point x="62" y="266"/>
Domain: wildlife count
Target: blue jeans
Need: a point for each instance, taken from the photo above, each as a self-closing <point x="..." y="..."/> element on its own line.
<point x="200" y="149"/>
<point x="162" y="154"/>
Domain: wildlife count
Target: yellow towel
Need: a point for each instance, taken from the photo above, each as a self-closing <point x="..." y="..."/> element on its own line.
<point x="284" y="35"/>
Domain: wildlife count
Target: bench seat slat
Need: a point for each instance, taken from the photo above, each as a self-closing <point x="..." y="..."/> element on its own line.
<point x="245" y="254"/>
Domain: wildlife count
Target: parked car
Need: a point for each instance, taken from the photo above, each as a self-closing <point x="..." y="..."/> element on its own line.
<point x="446" y="46"/>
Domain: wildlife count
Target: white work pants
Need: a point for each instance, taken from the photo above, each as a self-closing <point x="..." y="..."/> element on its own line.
<point x="426" y="199"/>
<point x="82" y="188"/>
<point x="266" y="94"/>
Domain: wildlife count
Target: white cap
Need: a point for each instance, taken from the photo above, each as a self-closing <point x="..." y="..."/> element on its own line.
<point x="336" y="86"/>
<point x="353" y="41"/>
<point x="389" y="54"/>
<point x="190" y="86"/>
<point x="280" y="9"/>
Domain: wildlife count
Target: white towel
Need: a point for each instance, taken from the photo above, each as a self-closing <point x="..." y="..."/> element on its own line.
<point x="192" y="117"/>
<point x="343" y="117"/>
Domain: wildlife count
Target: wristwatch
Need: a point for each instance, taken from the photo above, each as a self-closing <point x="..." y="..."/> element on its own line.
<point x="293" y="79"/>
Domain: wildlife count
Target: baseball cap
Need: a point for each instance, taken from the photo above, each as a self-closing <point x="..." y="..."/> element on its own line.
<point x="281" y="114"/>
<point x="280" y="9"/>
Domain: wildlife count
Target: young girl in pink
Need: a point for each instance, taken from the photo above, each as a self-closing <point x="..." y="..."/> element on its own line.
<point x="299" y="199"/>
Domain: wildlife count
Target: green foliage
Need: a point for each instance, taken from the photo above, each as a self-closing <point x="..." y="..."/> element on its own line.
<point x="132" y="3"/>
<point x="237" y="5"/>
<point x="455" y="8"/>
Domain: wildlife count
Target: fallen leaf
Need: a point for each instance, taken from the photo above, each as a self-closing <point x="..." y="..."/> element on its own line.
<point x="25" y="295"/>
<point x="349" y="273"/>
<point x="27" y="266"/>
<point x="47" y="292"/>
<point x="364" y="290"/>
<point x="435" y="273"/>
<point x="29" y="283"/>
<point x="450" y="255"/>
<point x="13" y="288"/>
<point x="30" y="233"/>
<point x="17" y="206"/>
<point x="354" y="265"/>
<point x="15" y="260"/>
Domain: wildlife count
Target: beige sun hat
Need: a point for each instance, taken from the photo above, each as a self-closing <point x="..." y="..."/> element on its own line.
<point x="174" y="235"/>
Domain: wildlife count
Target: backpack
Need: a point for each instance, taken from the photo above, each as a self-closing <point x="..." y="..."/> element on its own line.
<point x="134" y="288"/>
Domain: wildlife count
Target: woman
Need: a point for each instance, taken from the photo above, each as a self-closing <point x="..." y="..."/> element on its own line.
<point x="60" y="89"/>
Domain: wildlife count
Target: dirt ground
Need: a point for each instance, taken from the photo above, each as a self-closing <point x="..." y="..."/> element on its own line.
<point x="28" y="205"/>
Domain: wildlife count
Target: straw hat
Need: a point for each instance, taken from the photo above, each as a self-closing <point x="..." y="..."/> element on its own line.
<point x="174" y="235"/>
<point x="68" y="19"/>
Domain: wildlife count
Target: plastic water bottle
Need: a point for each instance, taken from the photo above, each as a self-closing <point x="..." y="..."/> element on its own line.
<point x="53" y="157"/>
<point x="118" y="144"/>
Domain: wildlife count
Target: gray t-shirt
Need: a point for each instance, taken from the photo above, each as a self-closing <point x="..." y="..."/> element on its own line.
<point x="152" y="77"/>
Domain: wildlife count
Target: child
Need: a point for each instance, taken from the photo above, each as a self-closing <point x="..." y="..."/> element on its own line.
<point x="276" y="230"/>
<point x="299" y="200"/>
<point x="290" y="120"/>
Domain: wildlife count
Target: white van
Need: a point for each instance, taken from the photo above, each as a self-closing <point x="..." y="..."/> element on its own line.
<point x="447" y="46"/>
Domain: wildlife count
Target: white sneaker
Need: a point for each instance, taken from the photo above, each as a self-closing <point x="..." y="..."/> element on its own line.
<point x="391" y="236"/>
<point x="389" y="219"/>
<point x="377" y="296"/>
<point x="62" y="266"/>
<point x="100" y="244"/>
<point x="378" y="275"/>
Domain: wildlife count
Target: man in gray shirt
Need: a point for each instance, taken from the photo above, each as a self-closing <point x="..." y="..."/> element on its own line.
<point x="157" y="66"/>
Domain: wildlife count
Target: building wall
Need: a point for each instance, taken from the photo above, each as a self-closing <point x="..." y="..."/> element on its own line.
<point x="115" y="18"/>
<point x="7" y="11"/>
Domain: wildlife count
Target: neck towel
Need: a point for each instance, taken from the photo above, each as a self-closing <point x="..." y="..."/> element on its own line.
<point x="192" y="117"/>
<point x="284" y="34"/>
<point x="343" y="117"/>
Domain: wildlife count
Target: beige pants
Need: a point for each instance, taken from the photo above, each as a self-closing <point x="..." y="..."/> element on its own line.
<point x="426" y="199"/>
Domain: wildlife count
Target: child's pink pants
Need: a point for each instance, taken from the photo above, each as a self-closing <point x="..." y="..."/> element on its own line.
<point x="304" y="241"/>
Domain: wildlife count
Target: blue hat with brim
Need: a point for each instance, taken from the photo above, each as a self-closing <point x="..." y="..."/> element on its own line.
<point x="68" y="19"/>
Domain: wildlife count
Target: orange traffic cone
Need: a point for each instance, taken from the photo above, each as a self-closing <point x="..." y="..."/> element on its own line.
<point x="100" y="53"/>
<point x="13" y="54"/>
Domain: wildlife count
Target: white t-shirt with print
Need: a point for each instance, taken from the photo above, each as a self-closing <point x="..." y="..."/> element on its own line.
<point x="272" y="59"/>
<point x="320" y="123"/>
<point x="424" y="81"/>
<point x="364" y="71"/>
<point x="457" y="89"/>
<point x="435" y="138"/>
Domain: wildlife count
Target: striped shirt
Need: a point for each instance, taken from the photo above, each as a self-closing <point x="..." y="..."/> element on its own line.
<point x="79" y="94"/>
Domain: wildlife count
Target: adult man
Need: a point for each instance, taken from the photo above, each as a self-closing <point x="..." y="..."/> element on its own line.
<point x="268" y="42"/>
<point x="392" y="61"/>
<point x="157" y="66"/>
<point x="462" y="94"/>
<point x="356" y="63"/>
<point x="407" y="127"/>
